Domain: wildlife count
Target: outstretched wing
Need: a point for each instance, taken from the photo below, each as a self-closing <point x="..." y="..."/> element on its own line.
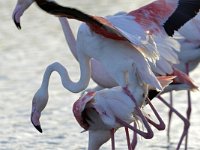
<point x="152" y="16"/>
<point x="102" y="26"/>
<point x="171" y="14"/>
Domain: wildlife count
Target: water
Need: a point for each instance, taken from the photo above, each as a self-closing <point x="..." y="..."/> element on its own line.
<point x="25" y="54"/>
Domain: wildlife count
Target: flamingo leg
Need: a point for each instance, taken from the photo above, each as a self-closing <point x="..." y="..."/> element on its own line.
<point x="128" y="138"/>
<point x="186" y="122"/>
<point x="189" y="109"/>
<point x="112" y="132"/>
<point x="188" y="116"/>
<point x="146" y="135"/>
<point x="161" y="125"/>
<point x="134" y="141"/>
<point x="170" y="117"/>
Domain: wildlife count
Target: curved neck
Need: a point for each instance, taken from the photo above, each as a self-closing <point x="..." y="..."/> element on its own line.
<point x="74" y="87"/>
<point x="69" y="36"/>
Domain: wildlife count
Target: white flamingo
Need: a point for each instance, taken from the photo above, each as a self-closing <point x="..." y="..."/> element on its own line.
<point x="139" y="19"/>
<point x="98" y="112"/>
<point x="142" y="20"/>
<point x="189" y="56"/>
<point x="123" y="70"/>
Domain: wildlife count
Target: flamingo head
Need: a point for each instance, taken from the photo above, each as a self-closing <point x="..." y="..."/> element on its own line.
<point x="79" y="107"/>
<point x="89" y="119"/>
<point x="20" y="7"/>
<point x="39" y="102"/>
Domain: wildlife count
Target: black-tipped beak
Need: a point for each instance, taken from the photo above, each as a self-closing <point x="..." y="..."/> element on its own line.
<point x="17" y="23"/>
<point x="38" y="128"/>
<point x="35" y="120"/>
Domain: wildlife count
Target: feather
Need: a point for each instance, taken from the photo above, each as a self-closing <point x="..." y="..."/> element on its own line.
<point x="185" y="11"/>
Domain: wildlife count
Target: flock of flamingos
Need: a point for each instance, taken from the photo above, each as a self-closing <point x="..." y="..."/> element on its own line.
<point x="133" y="57"/>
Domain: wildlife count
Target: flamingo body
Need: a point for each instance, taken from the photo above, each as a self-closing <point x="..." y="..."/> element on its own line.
<point x="188" y="36"/>
<point x="106" y="103"/>
<point x="96" y="112"/>
<point x="116" y="65"/>
<point x="193" y="27"/>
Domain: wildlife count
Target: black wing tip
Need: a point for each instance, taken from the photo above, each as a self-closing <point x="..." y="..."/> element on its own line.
<point x="54" y="8"/>
<point x="186" y="10"/>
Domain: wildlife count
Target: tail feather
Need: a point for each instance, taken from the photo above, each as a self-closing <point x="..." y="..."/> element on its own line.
<point x="165" y="80"/>
<point x="184" y="78"/>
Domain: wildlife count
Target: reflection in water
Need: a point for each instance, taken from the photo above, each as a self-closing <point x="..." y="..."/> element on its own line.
<point x="25" y="54"/>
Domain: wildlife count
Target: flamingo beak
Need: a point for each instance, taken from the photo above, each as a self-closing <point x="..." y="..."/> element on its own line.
<point x="20" y="7"/>
<point x="35" y="119"/>
<point x="17" y="13"/>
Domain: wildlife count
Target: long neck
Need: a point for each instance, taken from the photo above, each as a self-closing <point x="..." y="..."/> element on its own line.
<point x="69" y="36"/>
<point x="74" y="87"/>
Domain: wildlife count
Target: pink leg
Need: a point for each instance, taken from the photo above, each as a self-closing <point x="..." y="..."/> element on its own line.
<point x="189" y="109"/>
<point x="134" y="141"/>
<point x="188" y="116"/>
<point x="146" y="135"/>
<point x="170" y="117"/>
<point x="112" y="132"/>
<point x="149" y="133"/>
<point x="128" y="138"/>
<point x="186" y="122"/>
<point x="161" y="125"/>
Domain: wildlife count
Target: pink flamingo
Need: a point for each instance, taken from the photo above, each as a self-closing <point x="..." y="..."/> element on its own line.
<point x="126" y="37"/>
<point x="123" y="70"/>
<point x="140" y="18"/>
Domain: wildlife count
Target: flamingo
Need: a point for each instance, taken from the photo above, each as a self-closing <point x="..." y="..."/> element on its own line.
<point x="99" y="75"/>
<point x="138" y="13"/>
<point x="189" y="39"/>
<point x="102" y="77"/>
<point x="98" y="112"/>
<point x="139" y="19"/>
<point x="97" y="23"/>
<point x="189" y="56"/>
<point x="123" y="69"/>
<point x="133" y="13"/>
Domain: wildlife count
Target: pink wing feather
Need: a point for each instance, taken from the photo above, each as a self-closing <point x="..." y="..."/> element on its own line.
<point x="184" y="78"/>
<point x="153" y="15"/>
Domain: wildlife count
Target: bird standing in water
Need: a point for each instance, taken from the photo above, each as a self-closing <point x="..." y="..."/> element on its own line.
<point x="113" y="31"/>
<point x="189" y="56"/>
<point x="102" y="112"/>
